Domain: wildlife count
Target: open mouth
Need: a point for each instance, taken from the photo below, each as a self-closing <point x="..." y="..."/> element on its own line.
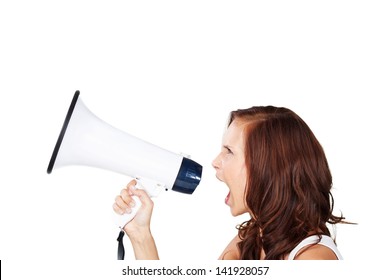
<point x="227" y="198"/>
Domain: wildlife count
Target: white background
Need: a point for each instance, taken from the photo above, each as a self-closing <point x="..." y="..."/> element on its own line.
<point x="170" y="72"/>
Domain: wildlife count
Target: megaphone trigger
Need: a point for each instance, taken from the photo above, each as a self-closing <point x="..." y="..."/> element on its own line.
<point x="152" y="187"/>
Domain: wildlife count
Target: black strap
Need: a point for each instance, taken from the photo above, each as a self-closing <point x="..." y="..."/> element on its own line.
<point x="121" y="248"/>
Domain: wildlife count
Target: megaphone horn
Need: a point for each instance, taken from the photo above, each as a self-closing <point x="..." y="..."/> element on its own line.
<point x="87" y="140"/>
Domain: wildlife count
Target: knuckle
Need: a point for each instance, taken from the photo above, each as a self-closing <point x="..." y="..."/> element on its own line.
<point x="116" y="209"/>
<point x="124" y="193"/>
<point x="118" y="199"/>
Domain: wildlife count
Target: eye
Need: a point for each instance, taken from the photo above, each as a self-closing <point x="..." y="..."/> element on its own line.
<point x="228" y="150"/>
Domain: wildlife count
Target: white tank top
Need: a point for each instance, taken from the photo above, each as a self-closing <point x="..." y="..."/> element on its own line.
<point x="325" y="241"/>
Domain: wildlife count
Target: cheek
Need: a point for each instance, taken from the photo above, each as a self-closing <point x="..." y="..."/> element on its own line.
<point x="240" y="177"/>
<point x="225" y="170"/>
<point x="239" y="187"/>
<point x="238" y="180"/>
<point x="233" y="172"/>
<point x="241" y="192"/>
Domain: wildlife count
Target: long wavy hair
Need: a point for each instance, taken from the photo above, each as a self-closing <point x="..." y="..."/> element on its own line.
<point x="288" y="185"/>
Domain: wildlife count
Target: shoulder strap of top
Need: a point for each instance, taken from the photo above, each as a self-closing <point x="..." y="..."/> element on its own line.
<point x="325" y="241"/>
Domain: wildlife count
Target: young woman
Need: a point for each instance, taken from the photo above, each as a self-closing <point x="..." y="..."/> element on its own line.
<point x="276" y="171"/>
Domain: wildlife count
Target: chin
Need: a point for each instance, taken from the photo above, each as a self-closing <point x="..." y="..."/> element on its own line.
<point x="234" y="213"/>
<point x="237" y="212"/>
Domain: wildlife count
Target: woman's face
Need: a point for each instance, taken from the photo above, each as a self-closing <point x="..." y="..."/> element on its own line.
<point x="230" y="167"/>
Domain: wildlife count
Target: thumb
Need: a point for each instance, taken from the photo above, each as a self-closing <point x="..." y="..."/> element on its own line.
<point x="142" y="195"/>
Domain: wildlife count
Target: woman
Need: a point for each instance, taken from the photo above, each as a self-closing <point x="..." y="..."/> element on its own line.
<point x="276" y="171"/>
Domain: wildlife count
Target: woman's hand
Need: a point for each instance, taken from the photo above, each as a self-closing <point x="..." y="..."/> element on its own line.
<point x="138" y="229"/>
<point x="124" y="203"/>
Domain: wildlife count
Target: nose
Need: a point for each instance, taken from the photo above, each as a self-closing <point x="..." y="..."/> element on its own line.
<point x="216" y="163"/>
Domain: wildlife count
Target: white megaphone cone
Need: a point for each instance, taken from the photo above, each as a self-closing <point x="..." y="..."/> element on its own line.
<point x="87" y="140"/>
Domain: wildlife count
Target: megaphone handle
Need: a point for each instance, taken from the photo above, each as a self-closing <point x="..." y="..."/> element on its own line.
<point x="124" y="219"/>
<point x="152" y="189"/>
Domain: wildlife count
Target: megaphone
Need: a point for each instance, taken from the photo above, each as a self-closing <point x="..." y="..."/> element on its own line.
<point x="89" y="141"/>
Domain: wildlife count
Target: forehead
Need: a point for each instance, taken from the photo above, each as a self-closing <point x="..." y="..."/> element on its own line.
<point x="235" y="135"/>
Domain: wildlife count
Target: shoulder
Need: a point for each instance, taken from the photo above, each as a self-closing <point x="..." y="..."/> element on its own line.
<point x="231" y="251"/>
<point x="316" y="252"/>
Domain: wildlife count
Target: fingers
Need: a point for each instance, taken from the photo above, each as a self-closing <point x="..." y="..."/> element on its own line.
<point x="122" y="205"/>
<point x="143" y="197"/>
<point x="131" y="185"/>
<point x="124" y="202"/>
<point x="117" y="209"/>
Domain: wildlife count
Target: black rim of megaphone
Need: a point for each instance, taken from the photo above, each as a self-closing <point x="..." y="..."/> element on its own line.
<point x="62" y="133"/>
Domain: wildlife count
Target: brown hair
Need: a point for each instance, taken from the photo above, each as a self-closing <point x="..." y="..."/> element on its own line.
<point x="288" y="185"/>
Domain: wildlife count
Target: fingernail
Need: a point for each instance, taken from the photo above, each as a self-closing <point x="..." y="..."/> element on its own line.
<point x="128" y="210"/>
